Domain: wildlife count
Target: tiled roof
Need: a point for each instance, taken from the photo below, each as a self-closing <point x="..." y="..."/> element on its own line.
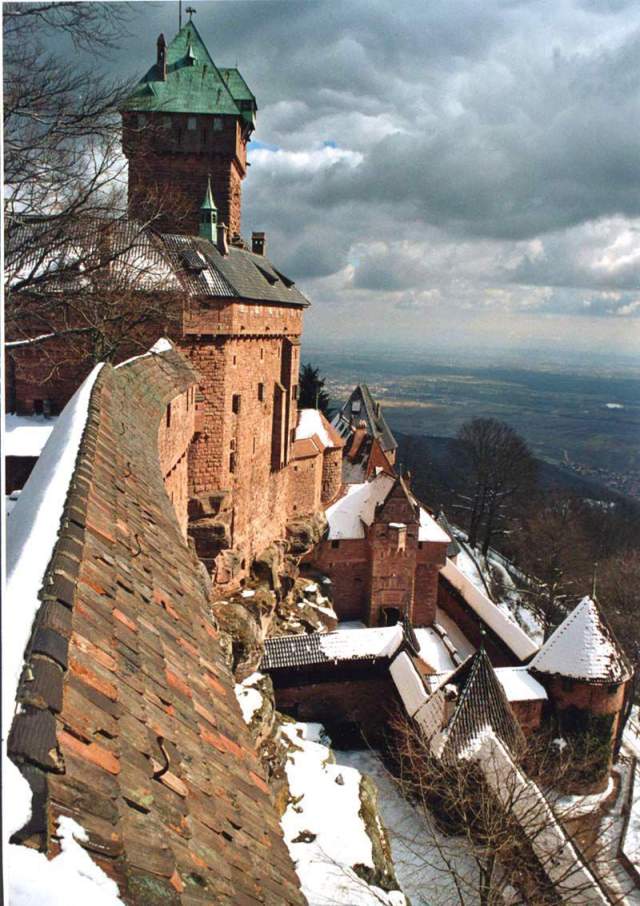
<point x="134" y="257"/>
<point x="129" y="723"/>
<point x="362" y="407"/>
<point x="49" y="255"/>
<point x="583" y="647"/>
<point x="332" y="647"/>
<point x="239" y="274"/>
<point x="481" y="704"/>
<point x="194" y="84"/>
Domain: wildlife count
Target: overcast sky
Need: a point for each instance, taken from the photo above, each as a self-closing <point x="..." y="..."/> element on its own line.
<point x="445" y="173"/>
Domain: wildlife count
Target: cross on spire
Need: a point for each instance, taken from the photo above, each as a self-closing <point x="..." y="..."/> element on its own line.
<point x="190" y="12"/>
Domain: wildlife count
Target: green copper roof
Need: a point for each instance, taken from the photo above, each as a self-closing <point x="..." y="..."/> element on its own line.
<point x="194" y="83"/>
<point x="239" y="89"/>
<point x="208" y="204"/>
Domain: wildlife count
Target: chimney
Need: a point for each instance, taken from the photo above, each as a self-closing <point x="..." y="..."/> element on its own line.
<point x="162" y="58"/>
<point x="258" y="243"/>
<point x="222" y="243"/>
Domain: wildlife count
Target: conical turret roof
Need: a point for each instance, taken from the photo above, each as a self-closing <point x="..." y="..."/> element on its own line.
<point x="583" y="647"/>
<point x="482" y="707"/>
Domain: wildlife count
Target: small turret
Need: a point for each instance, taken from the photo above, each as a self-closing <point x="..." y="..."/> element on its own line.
<point x="208" y="216"/>
<point x="162" y="58"/>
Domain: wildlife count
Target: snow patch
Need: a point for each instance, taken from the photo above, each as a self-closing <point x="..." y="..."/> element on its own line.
<point x="71" y="877"/>
<point x="249" y="698"/>
<point x="322" y="826"/>
<point x="26" y="435"/>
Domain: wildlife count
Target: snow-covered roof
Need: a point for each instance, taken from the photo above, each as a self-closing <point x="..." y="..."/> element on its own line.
<point x="312" y="423"/>
<point x="26" y="435"/>
<point x="583" y="647"/>
<point x="499" y="622"/>
<point x="437" y="650"/>
<point x="519" y="685"/>
<point x="409" y="683"/>
<point x="348" y="516"/>
<point x="429" y="529"/>
<point x="340" y="645"/>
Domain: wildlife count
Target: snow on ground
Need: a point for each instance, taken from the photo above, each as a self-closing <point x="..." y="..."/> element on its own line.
<point x="422" y="856"/>
<point x="249" y="698"/>
<point x="324" y="811"/>
<point x="72" y="877"/>
<point x="631" y="842"/>
<point x="26" y="435"/>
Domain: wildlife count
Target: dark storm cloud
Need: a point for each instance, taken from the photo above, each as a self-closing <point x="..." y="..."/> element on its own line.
<point x="484" y="154"/>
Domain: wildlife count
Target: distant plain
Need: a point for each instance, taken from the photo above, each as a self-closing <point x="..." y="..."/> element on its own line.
<point x="587" y="422"/>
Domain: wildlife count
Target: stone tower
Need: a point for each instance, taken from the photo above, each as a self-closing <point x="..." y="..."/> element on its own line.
<point x="587" y="678"/>
<point x="187" y="120"/>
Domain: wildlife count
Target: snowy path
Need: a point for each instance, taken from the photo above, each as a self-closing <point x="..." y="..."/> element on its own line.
<point x="422" y="856"/>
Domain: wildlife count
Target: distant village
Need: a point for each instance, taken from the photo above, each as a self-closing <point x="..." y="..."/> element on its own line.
<point x="244" y="663"/>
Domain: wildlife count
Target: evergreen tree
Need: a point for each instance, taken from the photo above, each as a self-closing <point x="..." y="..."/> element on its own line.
<point x="312" y="394"/>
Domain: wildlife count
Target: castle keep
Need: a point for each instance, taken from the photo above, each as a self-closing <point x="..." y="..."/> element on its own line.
<point x="184" y="502"/>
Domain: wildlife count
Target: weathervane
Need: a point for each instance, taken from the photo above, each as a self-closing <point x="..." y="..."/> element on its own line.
<point x="190" y="11"/>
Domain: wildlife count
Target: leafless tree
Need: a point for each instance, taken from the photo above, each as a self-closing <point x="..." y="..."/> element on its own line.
<point x="500" y="468"/>
<point x="83" y="282"/>
<point x="486" y="834"/>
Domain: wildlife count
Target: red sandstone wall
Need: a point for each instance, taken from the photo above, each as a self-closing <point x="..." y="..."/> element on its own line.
<point x="348" y="567"/>
<point x="426" y="594"/>
<point x="305" y="485"/>
<point x="366" y="702"/>
<point x="175" y="432"/>
<point x="234" y="449"/>
<point x="529" y="715"/>
<point x="331" y="474"/>
<point x="175" y="164"/>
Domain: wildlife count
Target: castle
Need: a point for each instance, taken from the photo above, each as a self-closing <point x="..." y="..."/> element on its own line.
<point x="195" y="455"/>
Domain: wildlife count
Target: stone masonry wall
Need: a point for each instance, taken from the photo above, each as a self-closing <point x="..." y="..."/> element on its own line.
<point x="175" y="163"/>
<point x="174" y="437"/>
<point x="305" y="485"/>
<point x="128" y="720"/>
<point x="331" y="474"/>
<point x="347" y="565"/>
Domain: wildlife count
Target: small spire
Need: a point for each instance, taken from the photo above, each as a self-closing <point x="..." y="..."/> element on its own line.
<point x="208" y="215"/>
<point x="191" y="57"/>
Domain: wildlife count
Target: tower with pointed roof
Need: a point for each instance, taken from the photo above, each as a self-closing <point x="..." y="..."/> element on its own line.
<point x="587" y="678"/>
<point x="187" y="119"/>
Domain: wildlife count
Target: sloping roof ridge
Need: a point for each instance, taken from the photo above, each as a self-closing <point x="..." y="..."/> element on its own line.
<point x="496" y="711"/>
<point x="191" y="25"/>
<point x="567" y="650"/>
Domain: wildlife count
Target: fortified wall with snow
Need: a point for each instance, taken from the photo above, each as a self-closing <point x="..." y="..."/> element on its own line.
<point x="186" y="525"/>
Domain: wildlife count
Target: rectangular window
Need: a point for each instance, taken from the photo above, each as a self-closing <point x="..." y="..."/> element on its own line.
<point x="232" y="462"/>
<point x="169" y="415"/>
<point x="235" y="403"/>
<point x="294" y="392"/>
<point x="261" y="392"/>
<point x="142" y="121"/>
<point x="217" y="124"/>
<point x="191" y="123"/>
<point x="335" y="544"/>
<point x="166" y="122"/>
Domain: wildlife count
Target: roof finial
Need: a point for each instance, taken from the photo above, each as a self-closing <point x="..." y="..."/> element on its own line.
<point x="595" y="580"/>
<point x="208" y="215"/>
<point x="190" y="12"/>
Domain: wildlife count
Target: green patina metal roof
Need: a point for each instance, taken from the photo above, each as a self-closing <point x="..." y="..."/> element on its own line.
<point x="194" y="84"/>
